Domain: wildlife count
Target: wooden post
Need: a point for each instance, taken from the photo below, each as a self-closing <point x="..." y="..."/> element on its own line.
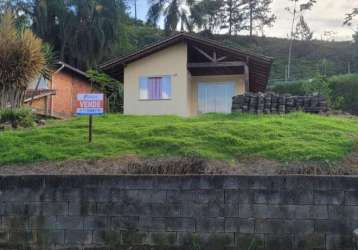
<point x="90" y="121"/>
<point x="247" y="78"/>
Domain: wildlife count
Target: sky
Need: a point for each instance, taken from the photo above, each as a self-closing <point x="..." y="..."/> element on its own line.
<point x="326" y="15"/>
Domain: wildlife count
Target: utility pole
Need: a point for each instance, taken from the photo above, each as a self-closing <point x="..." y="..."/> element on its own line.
<point x="135" y="9"/>
<point x="349" y="67"/>
<point x="291" y="42"/>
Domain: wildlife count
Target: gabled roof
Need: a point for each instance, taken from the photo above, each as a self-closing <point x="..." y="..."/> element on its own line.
<point x="259" y="65"/>
<point x="64" y="65"/>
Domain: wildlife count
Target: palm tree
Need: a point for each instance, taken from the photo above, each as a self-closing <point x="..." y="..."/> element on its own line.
<point x="53" y="22"/>
<point x="175" y="12"/>
<point x="95" y="30"/>
<point x="82" y="31"/>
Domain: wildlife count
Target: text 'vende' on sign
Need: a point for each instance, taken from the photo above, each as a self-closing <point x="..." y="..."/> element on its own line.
<point x="90" y="104"/>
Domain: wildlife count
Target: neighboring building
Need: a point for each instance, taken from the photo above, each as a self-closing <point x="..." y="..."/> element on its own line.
<point x="186" y="75"/>
<point x="57" y="97"/>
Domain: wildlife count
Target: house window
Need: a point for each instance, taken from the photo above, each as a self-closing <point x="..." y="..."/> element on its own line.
<point x="155" y="88"/>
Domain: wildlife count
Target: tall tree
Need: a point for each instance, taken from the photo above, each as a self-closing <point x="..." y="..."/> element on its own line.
<point x="303" y="31"/>
<point x="296" y="10"/>
<point x="175" y="13"/>
<point x="19" y="9"/>
<point x="82" y="31"/>
<point x="259" y="14"/>
<point x="349" y="21"/>
<point x="354" y="60"/>
<point x="95" y="31"/>
<point x="349" y="17"/>
<point x="53" y="22"/>
<point x="247" y="15"/>
<point x="234" y="11"/>
<point x="207" y="15"/>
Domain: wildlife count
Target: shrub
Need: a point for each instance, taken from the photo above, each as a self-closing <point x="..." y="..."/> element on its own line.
<point x="341" y="91"/>
<point x="21" y="117"/>
<point x="318" y="85"/>
<point x="112" y="88"/>
<point x="292" y="88"/>
<point x="344" y="93"/>
<point x="21" y="60"/>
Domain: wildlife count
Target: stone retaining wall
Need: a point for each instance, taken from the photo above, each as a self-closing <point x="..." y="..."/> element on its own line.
<point x="187" y="212"/>
<point x="274" y="103"/>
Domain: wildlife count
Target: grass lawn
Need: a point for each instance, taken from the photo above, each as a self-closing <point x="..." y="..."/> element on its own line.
<point x="297" y="136"/>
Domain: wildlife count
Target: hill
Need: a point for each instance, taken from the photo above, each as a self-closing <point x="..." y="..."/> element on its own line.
<point x="309" y="57"/>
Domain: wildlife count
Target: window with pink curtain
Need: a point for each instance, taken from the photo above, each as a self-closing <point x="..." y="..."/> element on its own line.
<point x="155" y="88"/>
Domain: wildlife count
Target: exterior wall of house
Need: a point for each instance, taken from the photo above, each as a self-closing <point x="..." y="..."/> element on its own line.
<point x="67" y="87"/>
<point x="239" y="81"/>
<point x="40" y="105"/>
<point x="170" y="61"/>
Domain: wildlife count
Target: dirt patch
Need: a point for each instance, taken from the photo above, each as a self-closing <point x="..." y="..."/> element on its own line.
<point x="250" y="165"/>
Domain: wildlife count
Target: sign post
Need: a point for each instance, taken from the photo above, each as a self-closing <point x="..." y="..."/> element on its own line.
<point x="90" y="104"/>
<point x="90" y="121"/>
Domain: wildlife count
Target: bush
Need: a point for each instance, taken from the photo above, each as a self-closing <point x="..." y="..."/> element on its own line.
<point x="344" y="94"/>
<point x="341" y="91"/>
<point x="292" y="88"/>
<point x="21" y="60"/>
<point x="21" y="117"/>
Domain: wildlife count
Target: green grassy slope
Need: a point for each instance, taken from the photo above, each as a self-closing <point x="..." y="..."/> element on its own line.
<point x="291" y="137"/>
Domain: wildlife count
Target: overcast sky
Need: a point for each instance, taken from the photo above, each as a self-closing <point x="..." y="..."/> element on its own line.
<point x="326" y="15"/>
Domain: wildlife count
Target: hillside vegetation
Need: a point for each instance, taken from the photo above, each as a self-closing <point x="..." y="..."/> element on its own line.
<point x="293" y="137"/>
<point x="341" y="90"/>
<point x="309" y="57"/>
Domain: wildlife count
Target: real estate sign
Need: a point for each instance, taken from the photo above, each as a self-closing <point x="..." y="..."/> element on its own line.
<point x="90" y="104"/>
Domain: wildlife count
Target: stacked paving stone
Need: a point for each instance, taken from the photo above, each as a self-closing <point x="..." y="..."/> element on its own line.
<point x="271" y="103"/>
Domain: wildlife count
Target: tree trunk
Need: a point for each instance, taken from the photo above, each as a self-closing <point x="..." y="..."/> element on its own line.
<point x="291" y="43"/>
<point x="251" y="17"/>
<point x="12" y="97"/>
<point x="289" y="60"/>
<point x="230" y="17"/>
<point x="63" y="44"/>
<point x="3" y="97"/>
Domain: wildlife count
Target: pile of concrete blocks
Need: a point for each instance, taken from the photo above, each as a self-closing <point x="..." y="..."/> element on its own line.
<point x="272" y="103"/>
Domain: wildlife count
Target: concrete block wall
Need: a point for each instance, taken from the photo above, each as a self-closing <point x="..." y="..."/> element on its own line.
<point x="179" y="212"/>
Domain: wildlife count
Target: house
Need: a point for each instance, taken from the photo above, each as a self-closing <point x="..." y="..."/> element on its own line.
<point x="186" y="75"/>
<point x="57" y="97"/>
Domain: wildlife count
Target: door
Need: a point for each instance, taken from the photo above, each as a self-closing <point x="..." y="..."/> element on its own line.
<point x="215" y="97"/>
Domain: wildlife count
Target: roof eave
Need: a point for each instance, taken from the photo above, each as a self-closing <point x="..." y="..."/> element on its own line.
<point x="73" y="69"/>
<point x="176" y="38"/>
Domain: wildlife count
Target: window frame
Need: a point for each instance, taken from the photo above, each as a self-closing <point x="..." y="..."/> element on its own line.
<point x="155" y="76"/>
